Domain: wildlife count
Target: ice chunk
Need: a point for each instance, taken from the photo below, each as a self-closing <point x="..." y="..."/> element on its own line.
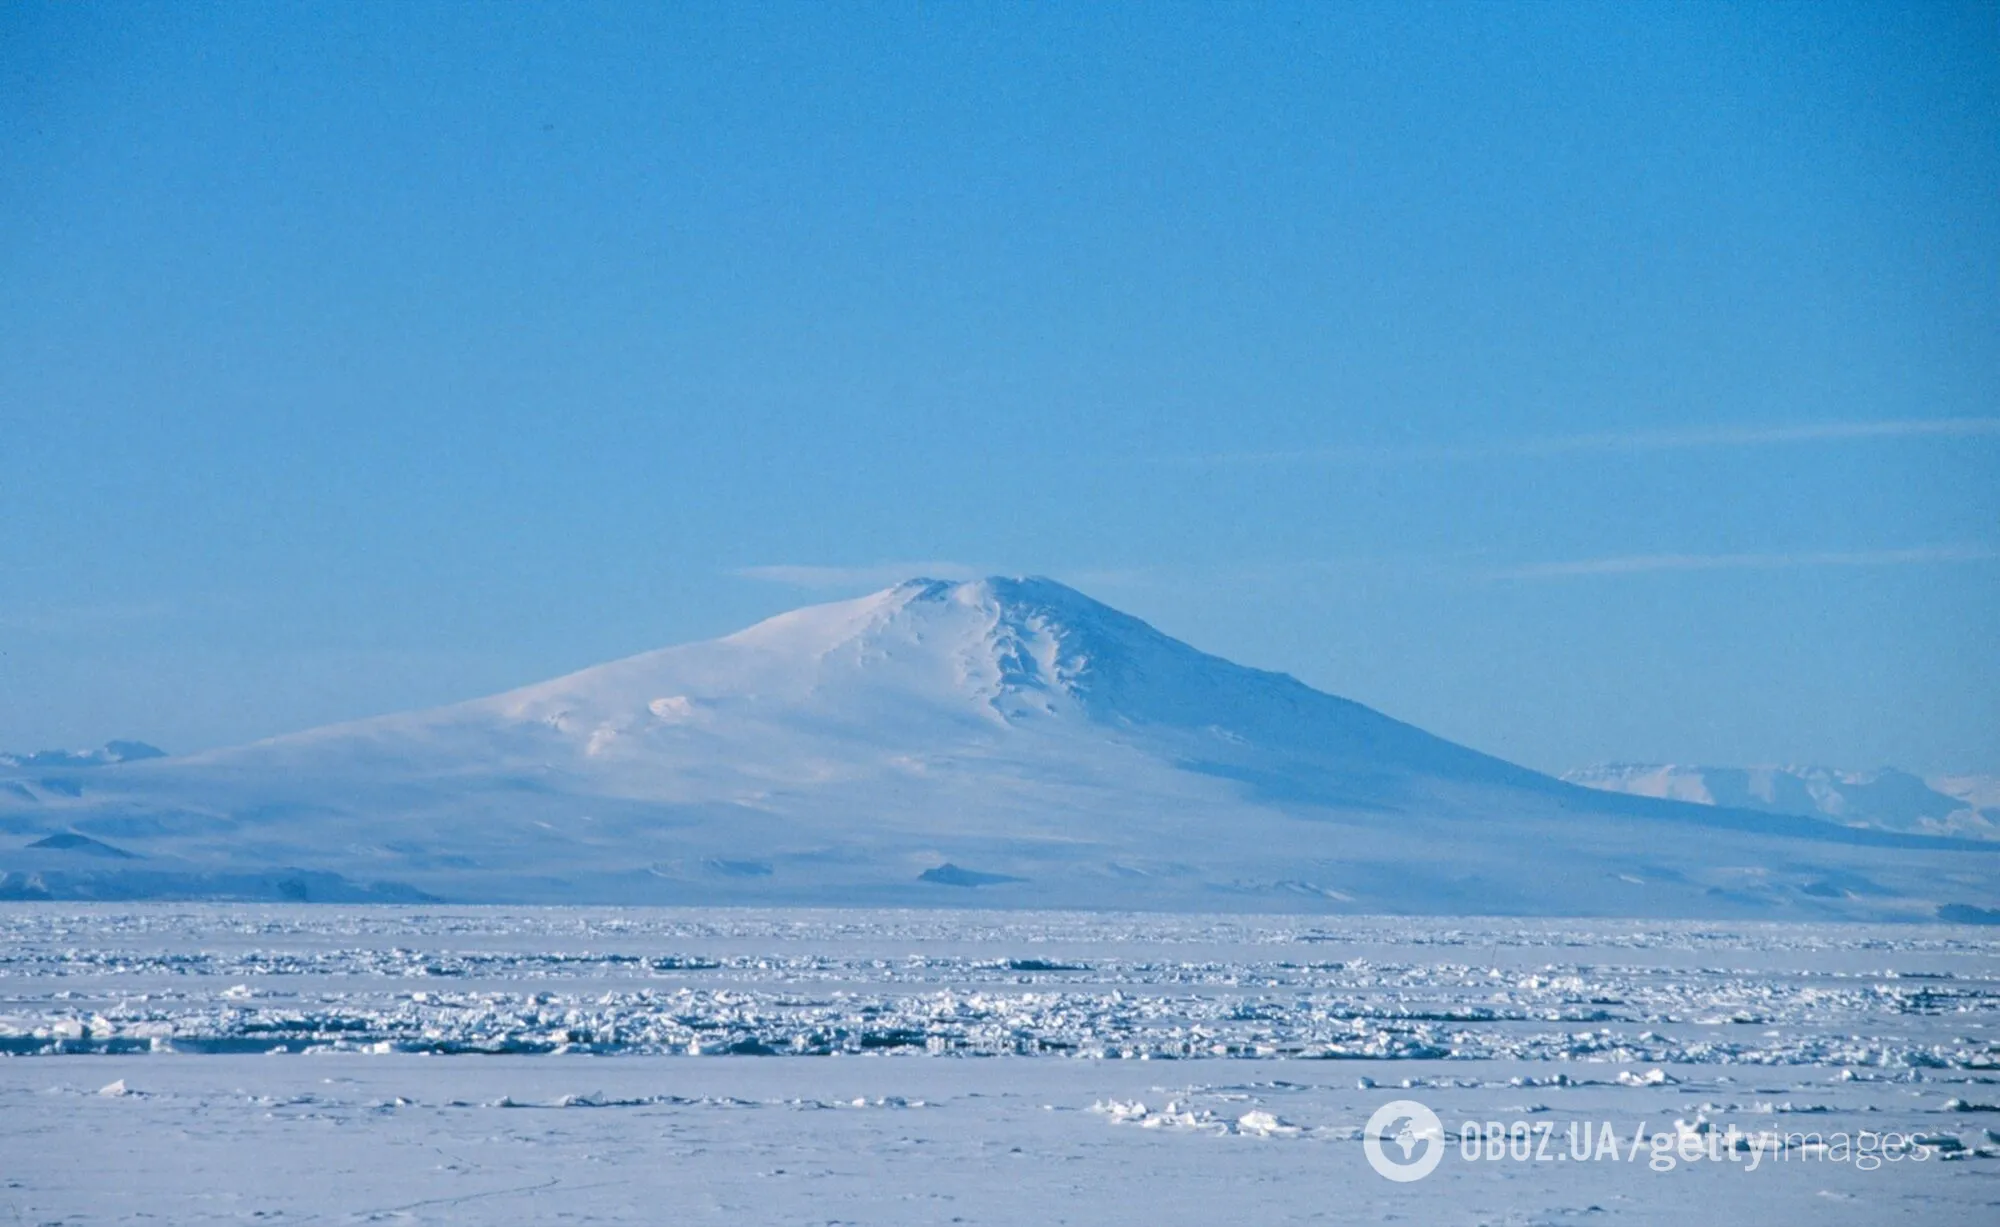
<point x="1259" y="1123"/>
<point x="1652" y="1077"/>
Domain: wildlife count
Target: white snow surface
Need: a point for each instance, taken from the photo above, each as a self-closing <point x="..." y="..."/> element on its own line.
<point x="1004" y="742"/>
<point x="202" y="1063"/>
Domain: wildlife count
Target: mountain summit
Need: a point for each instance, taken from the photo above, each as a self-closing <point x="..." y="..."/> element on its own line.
<point x="1007" y="742"/>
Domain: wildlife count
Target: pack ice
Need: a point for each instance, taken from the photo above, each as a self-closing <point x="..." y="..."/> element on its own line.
<point x="999" y="743"/>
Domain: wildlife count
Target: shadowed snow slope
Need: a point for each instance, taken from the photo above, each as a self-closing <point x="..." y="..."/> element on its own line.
<point x="1003" y="742"/>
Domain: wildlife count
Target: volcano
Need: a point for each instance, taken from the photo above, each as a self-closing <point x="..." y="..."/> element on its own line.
<point x="999" y="742"/>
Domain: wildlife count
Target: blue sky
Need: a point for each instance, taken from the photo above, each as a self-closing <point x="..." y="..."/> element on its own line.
<point x="1580" y="382"/>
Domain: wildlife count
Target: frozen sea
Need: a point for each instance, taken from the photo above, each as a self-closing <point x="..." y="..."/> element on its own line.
<point x="215" y="1063"/>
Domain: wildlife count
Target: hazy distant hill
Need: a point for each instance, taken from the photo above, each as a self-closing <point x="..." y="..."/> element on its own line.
<point x="1887" y="799"/>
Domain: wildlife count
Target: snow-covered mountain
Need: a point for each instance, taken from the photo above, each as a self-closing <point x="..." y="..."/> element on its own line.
<point x="1004" y="742"/>
<point x="106" y="754"/>
<point x="46" y="772"/>
<point x="1885" y="799"/>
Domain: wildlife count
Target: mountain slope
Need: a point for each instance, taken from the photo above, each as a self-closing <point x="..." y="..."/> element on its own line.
<point x="1005" y="742"/>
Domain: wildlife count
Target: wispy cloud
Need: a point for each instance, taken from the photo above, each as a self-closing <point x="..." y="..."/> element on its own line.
<point x="1460" y="568"/>
<point x="875" y="575"/>
<point x="1638" y="564"/>
<point x="1761" y="436"/>
<point x="1612" y="441"/>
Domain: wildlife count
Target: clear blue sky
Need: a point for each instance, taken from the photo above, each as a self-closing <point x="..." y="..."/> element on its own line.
<point x="1580" y="382"/>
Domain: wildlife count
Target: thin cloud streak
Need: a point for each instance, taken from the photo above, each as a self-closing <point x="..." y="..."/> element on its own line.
<point x="1811" y="432"/>
<point x="878" y="575"/>
<point x="1628" y="441"/>
<point x="1640" y="564"/>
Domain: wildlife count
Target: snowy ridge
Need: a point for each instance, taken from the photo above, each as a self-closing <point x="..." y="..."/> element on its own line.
<point x="104" y="755"/>
<point x="1009" y="741"/>
<point x="1967" y="806"/>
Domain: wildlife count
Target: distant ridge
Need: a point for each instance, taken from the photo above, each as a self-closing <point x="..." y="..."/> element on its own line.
<point x="110" y="752"/>
<point x="1886" y="799"/>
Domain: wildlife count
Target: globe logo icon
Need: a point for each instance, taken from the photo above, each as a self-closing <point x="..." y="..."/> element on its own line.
<point x="1404" y="1141"/>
